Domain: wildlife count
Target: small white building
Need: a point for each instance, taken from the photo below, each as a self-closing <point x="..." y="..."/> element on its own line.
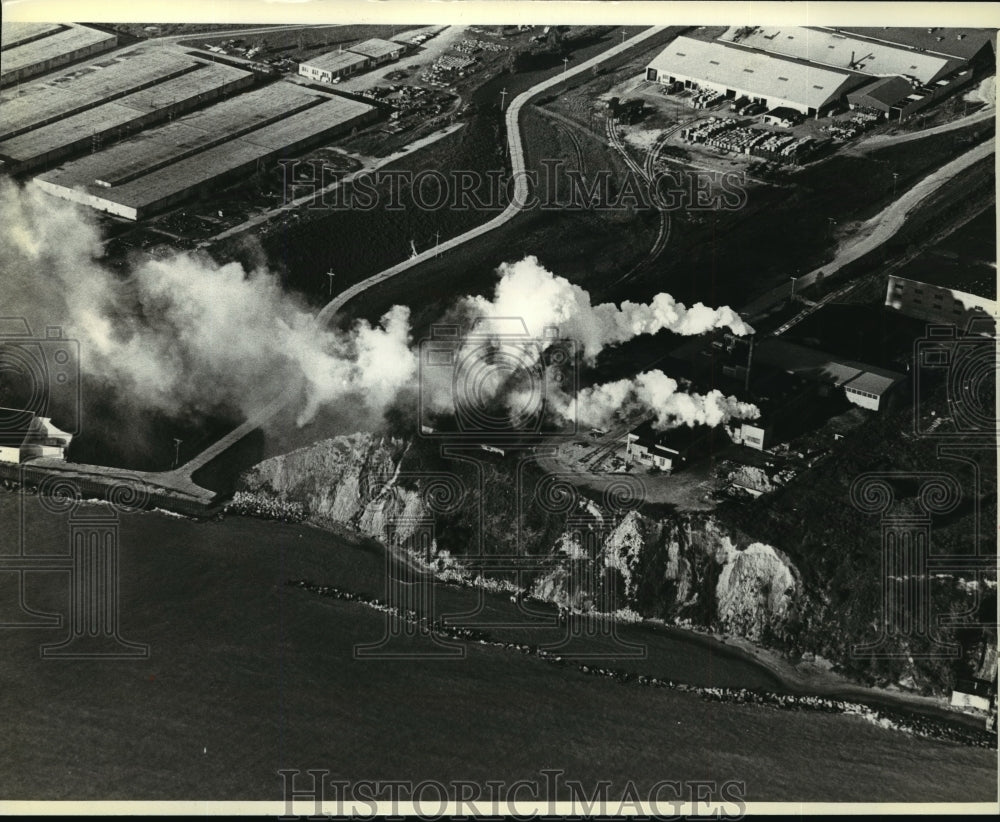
<point x="973" y="694"/>
<point x="328" y="67"/>
<point x="28" y="436"/>
<point x="377" y="52"/>
<point x="754" y="434"/>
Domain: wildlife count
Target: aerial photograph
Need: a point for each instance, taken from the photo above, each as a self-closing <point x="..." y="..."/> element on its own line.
<point x="470" y="409"/>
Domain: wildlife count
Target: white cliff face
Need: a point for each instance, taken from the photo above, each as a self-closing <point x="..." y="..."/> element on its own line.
<point x="699" y="573"/>
<point x="623" y="547"/>
<point x="344" y="481"/>
<point x="755" y="590"/>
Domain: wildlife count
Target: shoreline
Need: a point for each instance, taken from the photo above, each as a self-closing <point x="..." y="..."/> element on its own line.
<point x="816" y="681"/>
<point x="890" y="718"/>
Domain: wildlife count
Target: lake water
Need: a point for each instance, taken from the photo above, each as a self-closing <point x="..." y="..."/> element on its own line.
<point x="247" y="675"/>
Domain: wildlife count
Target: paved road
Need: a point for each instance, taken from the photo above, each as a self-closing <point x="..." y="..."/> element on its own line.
<point x="875" y="231"/>
<point x="518" y="202"/>
<point x="878" y="141"/>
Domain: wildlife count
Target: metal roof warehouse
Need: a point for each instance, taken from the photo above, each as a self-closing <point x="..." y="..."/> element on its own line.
<point x="86" y="124"/>
<point x="840" y="51"/>
<point x="26" y="54"/>
<point x="735" y="71"/>
<point x="377" y="50"/>
<point x="163" y="165"/>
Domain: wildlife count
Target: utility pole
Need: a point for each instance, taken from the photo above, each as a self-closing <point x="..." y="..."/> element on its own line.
<point x="503" y="97"/>
<point x="437" y="241"/>
<point x="895" y="176"/>
<point x="331" y="275"/>
<point x="793" y="279"/>
<point x="565" y="64"/>
<point x="177" y="451"/>
<point x="623" y="37"/>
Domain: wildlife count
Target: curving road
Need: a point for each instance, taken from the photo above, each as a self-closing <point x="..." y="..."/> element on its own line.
<point x="875" y="231"/>
<point x="518" y="203"/>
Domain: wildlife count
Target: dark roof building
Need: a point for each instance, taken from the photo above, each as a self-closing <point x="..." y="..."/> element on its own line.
<point x="881" y="95"/>
<point x="666" y="449"/>
<point x="865" y="385"/>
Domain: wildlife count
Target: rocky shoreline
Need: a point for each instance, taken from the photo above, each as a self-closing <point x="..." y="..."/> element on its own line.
<point x="893" y="719"/>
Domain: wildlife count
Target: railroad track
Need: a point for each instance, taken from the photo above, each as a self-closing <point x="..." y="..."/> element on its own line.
<point x="645" y="174"/>
<point x="517" y="204"/>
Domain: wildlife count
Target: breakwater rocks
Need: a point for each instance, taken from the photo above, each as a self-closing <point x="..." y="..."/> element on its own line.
<point x="896" y="720"/>
<point x="262" y="506"/>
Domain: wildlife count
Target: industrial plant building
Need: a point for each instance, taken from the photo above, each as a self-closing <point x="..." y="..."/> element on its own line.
<point x="665" y="450"/>
<point x="814" y="70"/>
<point x="92" y="106"/>
<point x="865" y="385"/>
<point x="169" y="163"/>
<point x="30" y="49"/>
<point x="938" y="303"/>
<point x="776" y="81"/>
<point x="350" y="60"/>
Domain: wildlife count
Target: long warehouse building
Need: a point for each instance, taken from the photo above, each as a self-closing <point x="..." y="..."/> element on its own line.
<point x="167" y="164"/>
<point x="95" y="105"/>
<point x="30" y="49"/>
<point x="826" y="47"/>
<point x="736" y="72"/>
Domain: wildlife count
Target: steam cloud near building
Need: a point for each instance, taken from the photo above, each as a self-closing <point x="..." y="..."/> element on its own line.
<point x="185" y="334"/>
<point x="527" y="290"/>
<point x="598" y="405"/>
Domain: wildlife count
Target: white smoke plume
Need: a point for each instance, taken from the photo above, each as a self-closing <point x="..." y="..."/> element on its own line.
<point x="651" y="391"/>
<point x="184" y="334"/>
<point x="542" y="299"/>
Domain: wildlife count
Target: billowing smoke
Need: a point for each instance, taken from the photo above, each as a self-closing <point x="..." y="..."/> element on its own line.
<point x="542" y="299"/>
<point x="185" y="334"/>
<point x="651" y="392"/>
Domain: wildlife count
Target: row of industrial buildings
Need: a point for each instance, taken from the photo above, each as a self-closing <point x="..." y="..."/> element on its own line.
<point x="815" y="71"/>
<point x="787" y="380"/>
<point x="134" y="130"/>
